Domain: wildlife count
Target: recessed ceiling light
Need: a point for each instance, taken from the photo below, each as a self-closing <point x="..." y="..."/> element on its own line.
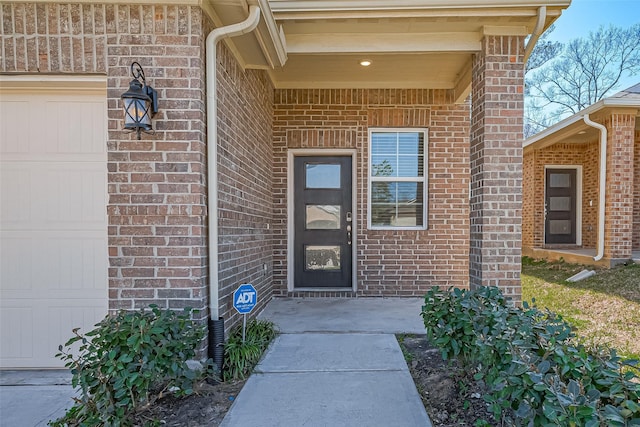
<point x="582" y="132"/>
<point x="365" y="62"/>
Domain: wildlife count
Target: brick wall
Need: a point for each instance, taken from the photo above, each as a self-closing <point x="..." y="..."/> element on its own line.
<point x="390" y="263"/>
<point x="496" y="165"/>
<point x="619" y="198"/>
<point x="530" y="210"/>
<point x="245" y="131"/>
<point x="636" y="194"/>
<point x="157" y="193"/>
<point x="54" y="38"/>
<point x="590" y="199"/>
<point x="569" y="155"/>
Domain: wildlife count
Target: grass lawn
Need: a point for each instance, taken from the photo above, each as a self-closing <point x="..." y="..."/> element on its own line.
<point x="605" y="308"/>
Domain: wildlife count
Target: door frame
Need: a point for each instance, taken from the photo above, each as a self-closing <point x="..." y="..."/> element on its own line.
<point x="319" y="152"/>
<point x="578" y="169"/>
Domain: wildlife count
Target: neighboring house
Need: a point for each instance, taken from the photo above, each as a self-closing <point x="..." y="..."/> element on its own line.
<point x="312" y="174"/>
<point x="581" y="196"/>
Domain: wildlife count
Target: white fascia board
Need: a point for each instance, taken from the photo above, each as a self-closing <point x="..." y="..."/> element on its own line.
<point x="604" y="103"/>
<point x="342" y="5"/>
<point x="275" y="33"/>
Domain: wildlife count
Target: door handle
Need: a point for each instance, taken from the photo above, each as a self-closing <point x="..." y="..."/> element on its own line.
<point x="348" y="234"/>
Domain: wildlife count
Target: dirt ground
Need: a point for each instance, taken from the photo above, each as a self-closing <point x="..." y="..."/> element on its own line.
<point x="449" y="397"/>
<point x="205" y="408"/>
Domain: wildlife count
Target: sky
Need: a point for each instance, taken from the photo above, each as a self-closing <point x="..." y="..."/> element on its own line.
<point x="584" y="16"/>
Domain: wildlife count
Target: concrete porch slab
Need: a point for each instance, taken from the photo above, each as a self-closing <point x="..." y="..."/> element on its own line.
<point x="347" y="315"/>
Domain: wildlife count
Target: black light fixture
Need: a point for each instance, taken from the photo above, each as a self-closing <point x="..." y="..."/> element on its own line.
<point x="140" y="102"/>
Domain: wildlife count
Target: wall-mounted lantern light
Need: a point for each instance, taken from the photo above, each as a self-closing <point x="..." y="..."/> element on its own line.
<point x="140" y="102"/>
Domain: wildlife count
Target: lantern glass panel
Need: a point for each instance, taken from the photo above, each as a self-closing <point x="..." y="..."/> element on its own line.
<point x="136" y="113"/>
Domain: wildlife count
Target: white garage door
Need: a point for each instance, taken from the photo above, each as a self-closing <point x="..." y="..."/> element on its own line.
<point x="53" y="225"/>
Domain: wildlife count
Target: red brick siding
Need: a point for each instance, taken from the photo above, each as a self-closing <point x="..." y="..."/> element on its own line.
<point x="157" y="211"/>
<point x="636" y="194"/>
<point x="54" y="38"/>
<point x="568" y="155"/>
<point x="390" y="263"/>
<point x="245" y="131"/>
<point x="496" y="165"/>
<point x="529" y="201"/>
<point x="619" y="197"/>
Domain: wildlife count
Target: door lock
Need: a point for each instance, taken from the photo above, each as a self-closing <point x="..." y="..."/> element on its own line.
<point x="348" y="217"/>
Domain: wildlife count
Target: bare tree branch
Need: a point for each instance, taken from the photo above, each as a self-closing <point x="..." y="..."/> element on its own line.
<point x="573" y="76"/>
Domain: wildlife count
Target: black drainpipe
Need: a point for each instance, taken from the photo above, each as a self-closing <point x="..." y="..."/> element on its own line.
<point x="216" y="342"/>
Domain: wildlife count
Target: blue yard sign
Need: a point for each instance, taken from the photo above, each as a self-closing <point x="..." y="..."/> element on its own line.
<point x="245" y="298"/>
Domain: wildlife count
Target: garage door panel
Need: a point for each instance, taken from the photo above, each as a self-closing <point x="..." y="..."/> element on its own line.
<point x="65" y="196"/>
<point x="53" y="222"/>
<point x="17" y="263"/>
<point x="14" y="114"/>
<point x="15" y="195"/>
<point x="61" y="118"/>
<point x="65" y="320"/>
<point x="34" y="332"/>
<point x="75" y="202"/>
<point x="49" y="262"/>
<point x="16" y="325"/>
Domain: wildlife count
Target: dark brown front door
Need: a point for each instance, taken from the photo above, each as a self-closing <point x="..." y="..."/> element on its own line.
<point x="560" y="206"/>
<point x="323" y="222"/>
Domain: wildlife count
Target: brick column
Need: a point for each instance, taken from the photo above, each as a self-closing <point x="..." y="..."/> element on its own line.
<point x="157" y="194"/>
<point x="496" y="165"/>
<point x="618" y="227"/>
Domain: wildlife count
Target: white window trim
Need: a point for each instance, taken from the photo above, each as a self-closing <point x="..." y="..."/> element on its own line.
<point x="578" y="169"/>
<point x="424" y="180"/>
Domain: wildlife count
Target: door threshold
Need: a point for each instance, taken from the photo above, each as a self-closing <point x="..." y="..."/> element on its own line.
<point x="323" y="290"/>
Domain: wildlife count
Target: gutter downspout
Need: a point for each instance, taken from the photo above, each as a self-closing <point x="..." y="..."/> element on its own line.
<point x="213" y="38"/>
<point x="537" y="31"/>
<point x="602" y="183"/>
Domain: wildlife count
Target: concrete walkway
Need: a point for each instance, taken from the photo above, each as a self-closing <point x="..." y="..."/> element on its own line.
<point x="33" y="398"/>
<point x="336" y="363"/>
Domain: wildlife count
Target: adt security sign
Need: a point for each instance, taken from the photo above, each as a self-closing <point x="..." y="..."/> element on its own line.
<point x="245" y="298"/>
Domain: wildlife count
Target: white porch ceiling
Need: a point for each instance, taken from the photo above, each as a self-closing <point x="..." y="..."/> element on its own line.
<point x="411" y="43"/>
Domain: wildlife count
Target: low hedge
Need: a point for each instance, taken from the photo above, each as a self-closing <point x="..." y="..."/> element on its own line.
<point x="535" y="370"/>
<point x="127" y="362"/>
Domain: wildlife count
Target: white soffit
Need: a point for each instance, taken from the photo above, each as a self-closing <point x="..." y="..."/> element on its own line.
<point x="411" y="43"/>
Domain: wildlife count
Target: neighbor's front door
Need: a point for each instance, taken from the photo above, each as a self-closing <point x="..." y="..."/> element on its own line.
<point x="560" y="206"/>
<point x="323" y="222"/>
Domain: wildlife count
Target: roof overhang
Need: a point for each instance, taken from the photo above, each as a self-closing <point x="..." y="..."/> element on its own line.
<point x="263" y="48"/>
<point x="410" y="43"/>
<point x="573" y="129"/>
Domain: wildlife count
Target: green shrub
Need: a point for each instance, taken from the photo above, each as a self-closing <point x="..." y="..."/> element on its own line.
<point x="535" y="370"/>
<point x="241" y="358"/>
<point x="127" y="362"/>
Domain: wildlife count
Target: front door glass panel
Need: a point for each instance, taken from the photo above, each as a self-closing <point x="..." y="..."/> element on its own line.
<point x="322" y="257"/>
<point x="323" y="217"/>
<point x="322" y="175"/>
